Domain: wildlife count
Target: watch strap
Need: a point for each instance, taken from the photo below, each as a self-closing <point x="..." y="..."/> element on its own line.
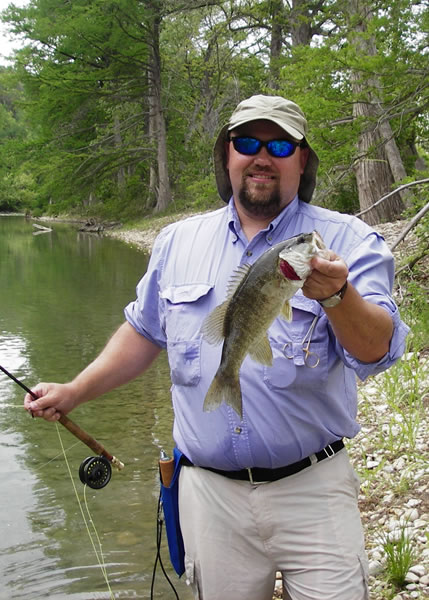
<point x="335" y="299"/>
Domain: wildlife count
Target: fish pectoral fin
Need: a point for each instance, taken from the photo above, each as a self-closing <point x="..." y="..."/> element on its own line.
<point x="212" y="327"/>
<point x="261" y="352"/>
<point x="286" y="311"/>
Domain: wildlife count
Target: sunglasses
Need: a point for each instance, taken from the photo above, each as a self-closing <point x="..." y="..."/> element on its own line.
<point x="251" y="146"/>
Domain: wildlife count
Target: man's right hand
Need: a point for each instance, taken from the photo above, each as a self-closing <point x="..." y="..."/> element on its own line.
<point x="54" y="400"/>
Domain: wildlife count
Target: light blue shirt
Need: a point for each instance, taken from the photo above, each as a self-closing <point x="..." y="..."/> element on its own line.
<point x="290" y="410"/>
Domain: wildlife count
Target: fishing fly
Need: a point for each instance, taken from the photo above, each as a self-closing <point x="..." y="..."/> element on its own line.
<point x="94" y="471"/>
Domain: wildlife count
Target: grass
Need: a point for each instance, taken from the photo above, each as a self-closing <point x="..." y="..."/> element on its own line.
<point x="400" y="555"/>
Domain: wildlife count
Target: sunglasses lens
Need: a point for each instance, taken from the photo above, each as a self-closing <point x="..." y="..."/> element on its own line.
<point x="281" y="148"/>
<point x="251" y="146"/>
<point x="246" y="145"/>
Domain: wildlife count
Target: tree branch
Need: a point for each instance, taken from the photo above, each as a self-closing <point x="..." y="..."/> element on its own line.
<point x="410" y="226"/>
<point x="399" y="189"/>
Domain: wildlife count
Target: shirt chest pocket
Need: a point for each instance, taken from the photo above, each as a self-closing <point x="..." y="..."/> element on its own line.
<point x="300" y="350"/>
<point x="186" y="306"/>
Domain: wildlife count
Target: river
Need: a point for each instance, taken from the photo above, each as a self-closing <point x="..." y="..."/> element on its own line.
<point x="61" y="296"/>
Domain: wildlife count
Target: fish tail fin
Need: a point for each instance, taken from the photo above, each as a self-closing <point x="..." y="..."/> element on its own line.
<point x="224" y="389"/>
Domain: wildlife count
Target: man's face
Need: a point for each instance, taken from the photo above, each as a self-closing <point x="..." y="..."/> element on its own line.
<point x="263" y="184"/>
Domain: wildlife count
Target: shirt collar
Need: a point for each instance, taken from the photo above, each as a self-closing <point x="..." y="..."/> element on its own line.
<point x="277" y="225"/>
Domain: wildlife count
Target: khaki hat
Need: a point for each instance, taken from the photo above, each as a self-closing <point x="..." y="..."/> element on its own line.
<point x="284" y="113"/>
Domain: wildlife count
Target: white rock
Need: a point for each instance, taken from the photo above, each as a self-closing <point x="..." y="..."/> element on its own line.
<point x="411" y="514"/>
<point x="392" y="524"/>
<point x="399" y="464"/>
<point x="412" y="502"/>
<point x="381" y="407"/>
<point x="396" y="534"/>
<point x="424" y="580"/>
<point x="418" y="570"/>
<point x="387" y="499"/>
<point x="371" y="464"/>
<point x="375" y="567"/>
<point x="411" y="587"/>
<point x="419" y="523"/>
<point x="411" y="577"/>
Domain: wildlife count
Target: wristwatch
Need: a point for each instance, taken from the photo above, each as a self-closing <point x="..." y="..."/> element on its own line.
<point x="335" y="299"/>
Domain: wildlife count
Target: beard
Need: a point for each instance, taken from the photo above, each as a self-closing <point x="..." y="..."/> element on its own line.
<point x="260" y="203"/>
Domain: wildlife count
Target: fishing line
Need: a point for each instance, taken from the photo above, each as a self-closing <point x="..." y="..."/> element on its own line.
<point x="57" y="456"/>
<point x="158" y="559"/>
<point x="98" y="553"/>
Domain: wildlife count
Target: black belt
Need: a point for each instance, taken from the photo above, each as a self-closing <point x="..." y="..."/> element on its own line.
<point x="260" y="474"/>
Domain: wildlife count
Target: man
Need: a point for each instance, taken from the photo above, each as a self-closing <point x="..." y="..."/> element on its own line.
<point x="273" y="490"/>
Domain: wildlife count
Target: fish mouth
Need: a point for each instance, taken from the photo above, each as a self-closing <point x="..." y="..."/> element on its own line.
<point x="318" y="240"/>
<point x="288" y="271"/>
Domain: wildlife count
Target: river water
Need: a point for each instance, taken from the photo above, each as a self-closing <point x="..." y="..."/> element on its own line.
<point x="61" y="296"/>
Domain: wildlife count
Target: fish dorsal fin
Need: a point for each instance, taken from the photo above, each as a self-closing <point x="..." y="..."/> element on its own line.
<point x="237" y="277"/>
<point x="261" y="351"/>
<point x="212" y="327"/>
<point x="286" y="311"/>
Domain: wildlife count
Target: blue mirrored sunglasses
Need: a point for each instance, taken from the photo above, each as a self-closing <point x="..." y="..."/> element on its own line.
<point x="251" y="146"/>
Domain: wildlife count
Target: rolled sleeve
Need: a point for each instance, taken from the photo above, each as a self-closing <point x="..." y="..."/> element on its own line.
<point x="371" y="271"/>
<point x="144" y="313"/>
<point x="396" y="349"/>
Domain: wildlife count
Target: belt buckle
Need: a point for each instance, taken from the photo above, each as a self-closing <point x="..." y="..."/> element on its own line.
<point x="329" y="455"/>
<point x="251" y="480"/>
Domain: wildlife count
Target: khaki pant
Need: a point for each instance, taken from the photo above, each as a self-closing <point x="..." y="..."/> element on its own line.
<point x="237" y="535"/>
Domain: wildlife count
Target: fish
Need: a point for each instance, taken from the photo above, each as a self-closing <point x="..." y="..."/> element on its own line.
<point x="256" y="295"/>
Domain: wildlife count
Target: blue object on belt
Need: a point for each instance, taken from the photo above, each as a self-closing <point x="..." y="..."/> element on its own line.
<point x="262" y="475"/>
<point x="170" y="505"/>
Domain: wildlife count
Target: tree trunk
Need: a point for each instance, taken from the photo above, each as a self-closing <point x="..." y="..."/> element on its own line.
<point x="158" y="126"/>
<point x="378" y="163"/>
<point x="118" y="145"/>
<point x="301" y="29"/>
<point x="152" y="129"/>
<point x="276" y="43"/>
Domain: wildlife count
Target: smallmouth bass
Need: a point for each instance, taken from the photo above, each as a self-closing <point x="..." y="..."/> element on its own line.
<point x="256" y="295"/>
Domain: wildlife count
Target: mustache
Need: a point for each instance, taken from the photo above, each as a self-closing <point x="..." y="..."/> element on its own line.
<point x="259" y="169"/>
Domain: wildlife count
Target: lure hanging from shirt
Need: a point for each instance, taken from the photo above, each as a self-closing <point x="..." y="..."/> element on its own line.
<point x="257" y="294"/>
<point x="95" y="471"/>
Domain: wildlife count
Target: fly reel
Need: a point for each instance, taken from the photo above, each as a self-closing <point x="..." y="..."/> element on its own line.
<point x="95" y="471"/>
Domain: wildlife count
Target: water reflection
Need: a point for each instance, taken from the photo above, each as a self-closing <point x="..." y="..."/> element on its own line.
<point x="61" y="295"/>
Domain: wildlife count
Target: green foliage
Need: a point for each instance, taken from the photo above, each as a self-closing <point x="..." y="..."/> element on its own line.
<point x="74" y="109"/>
<point x="415" y="312"/>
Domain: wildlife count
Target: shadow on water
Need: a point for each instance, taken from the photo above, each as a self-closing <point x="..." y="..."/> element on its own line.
<point x="62" y="294"/>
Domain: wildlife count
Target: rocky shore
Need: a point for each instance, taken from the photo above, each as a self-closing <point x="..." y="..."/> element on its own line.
<point x="390" y="455"/>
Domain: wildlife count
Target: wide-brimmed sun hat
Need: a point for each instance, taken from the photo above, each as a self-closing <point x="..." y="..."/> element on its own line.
<point x="284" y="113"/>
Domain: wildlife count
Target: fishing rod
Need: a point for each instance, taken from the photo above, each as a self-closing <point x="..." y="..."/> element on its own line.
<point x="95" y="471"/>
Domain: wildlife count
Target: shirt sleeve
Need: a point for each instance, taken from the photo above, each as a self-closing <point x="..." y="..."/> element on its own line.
<point x="371" y="271"/>
<point x="145" y="312"/>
